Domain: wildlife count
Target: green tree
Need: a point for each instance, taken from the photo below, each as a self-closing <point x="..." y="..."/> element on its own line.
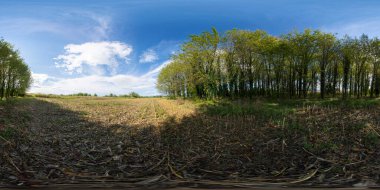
<point x="15" y="76"/>
<point x="326" y="44"/>
<point x="243" y="63"/>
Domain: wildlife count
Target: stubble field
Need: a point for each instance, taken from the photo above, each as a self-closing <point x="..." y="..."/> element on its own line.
<point x="147" y="141"/>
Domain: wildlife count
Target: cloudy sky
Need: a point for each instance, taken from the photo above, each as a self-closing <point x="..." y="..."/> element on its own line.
<point x="110" y="46"/>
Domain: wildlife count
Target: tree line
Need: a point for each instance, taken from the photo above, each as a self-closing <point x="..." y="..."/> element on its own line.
<point x="243" y="63"/>
<point x="15" y="76"/>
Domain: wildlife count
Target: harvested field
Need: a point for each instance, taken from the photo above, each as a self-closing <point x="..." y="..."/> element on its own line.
<point x="160" y="142"/>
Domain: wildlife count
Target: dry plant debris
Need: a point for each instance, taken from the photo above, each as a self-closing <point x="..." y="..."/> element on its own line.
<point x="155" y="141"/>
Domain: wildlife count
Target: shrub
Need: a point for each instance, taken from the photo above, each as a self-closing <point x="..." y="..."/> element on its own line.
<point x="134" y="95"/>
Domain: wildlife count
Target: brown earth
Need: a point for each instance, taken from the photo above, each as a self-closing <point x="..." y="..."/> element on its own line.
<point x="163" y="143"/>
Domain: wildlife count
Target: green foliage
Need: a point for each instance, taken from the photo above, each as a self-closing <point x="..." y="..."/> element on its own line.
<point x="131" y="95"/>
<point x="8" y="133"/>
<point x="134" y="95"/>
<point x="262" y="110"/>
<point x="246" y="64"/>
<point x="15" y="76"/>
<point x="81" y="94"/>
<point x="111" y="95"/>
<point x="46" y="95"/>
<point x="372" y="139"/>
<point x="172" y="79"/>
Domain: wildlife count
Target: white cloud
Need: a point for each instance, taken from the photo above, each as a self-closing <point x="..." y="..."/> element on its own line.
<point x="156" y="71"/>
<point x="148" y="56"/>
<point x="101" y="28"/>
<point x="98" y="56"/>
<point x="39" y="79"/>
<point x="101" y="85"/>
<point x="371" y="27"/>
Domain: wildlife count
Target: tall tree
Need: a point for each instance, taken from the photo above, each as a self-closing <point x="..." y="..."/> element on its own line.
<point x="15" y="76"/>
<point x="326" y="44"/>
<point x="243" y="63"/>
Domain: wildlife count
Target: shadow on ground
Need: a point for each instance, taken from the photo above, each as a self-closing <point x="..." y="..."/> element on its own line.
<point x="251" y="145"/>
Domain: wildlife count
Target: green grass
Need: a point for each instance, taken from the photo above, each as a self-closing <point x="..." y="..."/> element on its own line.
<point x="333" y="102"/>
<point x="260" y="109"/>
<point x="275" y="108"/>
<point x="8" y="133"/>
<point x="372" y="139"/>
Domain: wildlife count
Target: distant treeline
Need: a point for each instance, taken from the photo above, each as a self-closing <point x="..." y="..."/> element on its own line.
<point x="15" y="76"/>
<point x="130" y="95"/>
<point x="82" y="94"/>
<point x="242" y="63"/>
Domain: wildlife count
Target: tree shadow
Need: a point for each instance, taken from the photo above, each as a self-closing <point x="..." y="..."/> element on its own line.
<point x="278" y="141"/>
<point x="55" y="145"/>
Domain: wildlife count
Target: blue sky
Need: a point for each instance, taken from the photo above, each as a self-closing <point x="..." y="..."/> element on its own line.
<point x="120" y="46"/>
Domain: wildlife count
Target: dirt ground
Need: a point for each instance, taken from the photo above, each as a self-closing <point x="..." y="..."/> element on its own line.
<point x="152" y="142"/>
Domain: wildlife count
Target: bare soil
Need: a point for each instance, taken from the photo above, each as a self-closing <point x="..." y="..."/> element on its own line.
<point x="163" y="143"/>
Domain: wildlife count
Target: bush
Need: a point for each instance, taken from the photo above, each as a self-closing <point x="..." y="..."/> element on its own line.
<point x="131" y="95"/>
<point x="81" y="94"/>
<point x="45" y="96"/>
<point x="111" y="95"/>
<point x="134" y="95"/>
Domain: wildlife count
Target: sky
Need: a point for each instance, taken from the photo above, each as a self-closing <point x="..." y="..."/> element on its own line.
<point x="109" y="46"/>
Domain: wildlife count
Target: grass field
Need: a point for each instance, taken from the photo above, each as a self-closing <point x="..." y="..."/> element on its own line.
<point x="147" y="140"/>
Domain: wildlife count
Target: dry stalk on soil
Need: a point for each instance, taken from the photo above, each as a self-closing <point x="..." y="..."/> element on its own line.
<point x="156" y="141"/>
